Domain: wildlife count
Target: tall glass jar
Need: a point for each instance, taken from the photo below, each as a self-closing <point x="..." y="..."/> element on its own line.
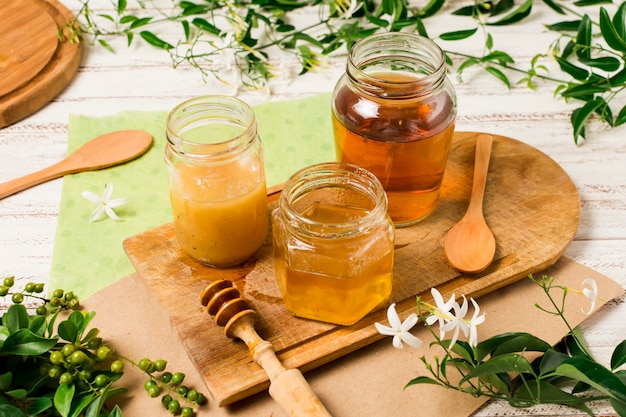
<point x="333" y="243"/>
<point x="393" y="113"/>
<point x="216" y="180"/>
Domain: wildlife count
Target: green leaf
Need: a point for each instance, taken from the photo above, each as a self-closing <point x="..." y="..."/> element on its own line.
<point x="38" y="325"/>
<point x="63" y="399"/>
<point x="510" y="342"/>
<point x="618" y="358"/>
<point x="509" y="362"/>
<point x="576" y="72"/>
<point x="554" y="6"/>
<point x="499" y="75"/>
<point x="565" y="26"/>
<point x="121" y="6"/>
<point x="618" y="406"/>
<point x="501" y="7"/>
<point x="68" y="331"/>
<point x="81" y="403"/>
<point x="551" y="360"/>
<point x="457" y="35"/>
<point x="583" y="38"/>
<point x="546" y="393"/>
<point x="128" y="19"/>
<point x="9" y="410"/>
<point x="619" y="20"/>
<point x="583" y="3"/>
<point x="605" y="63"/>
<point x="140" y="22"/>
<point x="15" y="318"/>
<point x="516" y="15"/>
<point x="116" y="412"/>
<point x="154" y="40"/>
<point x="38" y="405"/>
<point x="582" y="91"/>
<point x="431" y="8"/>
<point x="620" y="120"/>
<point x="203" y="24"/>
<point x="421" y="29"/>
<point x="24" y="342"/>
<point x="498" y="56"/>
<point x="106" y="45"/>
<point x="464" y="350"/>
<point x="610" y="33"/>
<point x="580" y="116"/>
<point x="5" y="381"/>
<point x="186" y="29"/>
<point x="597" y="376"/>
<point x="423" y="380"/>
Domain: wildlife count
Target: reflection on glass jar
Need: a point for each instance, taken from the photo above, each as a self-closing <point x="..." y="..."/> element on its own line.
<point x="216" y="180"/>
<point x="393" y="114"/>
<point x="333" y="243"/>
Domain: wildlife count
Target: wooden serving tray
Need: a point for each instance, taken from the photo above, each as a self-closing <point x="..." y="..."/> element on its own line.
<point x="531" y="205"/>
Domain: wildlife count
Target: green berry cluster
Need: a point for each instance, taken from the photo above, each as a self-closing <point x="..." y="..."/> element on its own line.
<point x="178" y="399"/>
<point x="59" y="299"/>
<point x="56" y="354"/>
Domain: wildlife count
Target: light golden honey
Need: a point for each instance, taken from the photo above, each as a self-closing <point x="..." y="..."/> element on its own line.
<point x="335" y="262"/>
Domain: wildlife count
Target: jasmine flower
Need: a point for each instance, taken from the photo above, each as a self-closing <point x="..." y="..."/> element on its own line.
<point x="105" y="204"/>
<point x="440" y="312"/>
<point x="398" y="329"/>
<point x="591" y="293"/>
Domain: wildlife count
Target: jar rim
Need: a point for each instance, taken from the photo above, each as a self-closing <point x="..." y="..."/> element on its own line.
<point x="198" y="111"/>
<point x="398" y="52"/>
<point x="324" y="175"/>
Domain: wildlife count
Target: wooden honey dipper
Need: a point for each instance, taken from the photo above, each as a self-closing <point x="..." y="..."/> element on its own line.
<point x="287" y="386"/>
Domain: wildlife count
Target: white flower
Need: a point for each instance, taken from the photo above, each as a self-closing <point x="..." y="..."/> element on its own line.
<point x="399" y="330"/>
<point x="441" y="312"/>
<point x="474" y="322"/>
<point x="346" y="13"/>
<point x="457" y="322"/>
<point x="104" y="204"/>
<point x="591" y="293"/>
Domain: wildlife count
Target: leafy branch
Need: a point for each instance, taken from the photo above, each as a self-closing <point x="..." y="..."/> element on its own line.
<point x="246" y="35"/>
<point x="525" y="370"/>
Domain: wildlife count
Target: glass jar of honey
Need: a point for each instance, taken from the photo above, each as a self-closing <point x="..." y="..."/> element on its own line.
<point x="393" y="114"/>
<point x="333" y="243"/>
<point x="216" y="180"/>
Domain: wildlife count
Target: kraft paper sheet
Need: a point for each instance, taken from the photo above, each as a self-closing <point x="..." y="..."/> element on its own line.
<point x="367" y="383"/>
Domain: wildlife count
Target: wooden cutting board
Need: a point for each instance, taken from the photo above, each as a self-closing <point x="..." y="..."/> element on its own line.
<point x="531" y="205"/>
<point x="34" y="65"/>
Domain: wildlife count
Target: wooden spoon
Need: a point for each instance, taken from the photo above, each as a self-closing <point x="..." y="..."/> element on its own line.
<point x="470" y="245"/>
<point x="104" y="151"/>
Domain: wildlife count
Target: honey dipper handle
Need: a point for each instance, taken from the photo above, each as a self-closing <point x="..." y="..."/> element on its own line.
<point x="288" y="386"/>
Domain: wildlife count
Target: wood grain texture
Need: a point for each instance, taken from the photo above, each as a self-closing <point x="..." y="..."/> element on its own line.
<point x="530" y="203"/>
<point x="39" y="66"/>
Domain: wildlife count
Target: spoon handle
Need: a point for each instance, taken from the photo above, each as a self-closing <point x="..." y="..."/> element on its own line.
<point x="481" y="167"/>
<point x="19" y="184"/>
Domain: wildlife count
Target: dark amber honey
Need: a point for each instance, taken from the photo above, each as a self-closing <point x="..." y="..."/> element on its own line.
<point x="404" y="142"/>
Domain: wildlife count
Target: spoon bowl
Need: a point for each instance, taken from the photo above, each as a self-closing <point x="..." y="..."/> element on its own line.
<point x="101" y="152"/>
<point x="470" y="245"/>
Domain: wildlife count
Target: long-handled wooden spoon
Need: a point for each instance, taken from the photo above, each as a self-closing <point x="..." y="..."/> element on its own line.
<point x="470" y="245"/>
<point x="101" y="152"/>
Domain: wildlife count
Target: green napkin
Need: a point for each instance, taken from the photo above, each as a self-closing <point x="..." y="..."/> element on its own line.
<point x="88" y="256"/>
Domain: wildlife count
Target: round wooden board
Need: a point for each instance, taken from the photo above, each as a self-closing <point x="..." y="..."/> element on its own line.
<point x="36" y="64"/>
<point x="24" y="52"/>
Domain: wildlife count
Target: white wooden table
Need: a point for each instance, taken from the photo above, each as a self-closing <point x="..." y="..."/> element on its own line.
<point x="141" y="78"/>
